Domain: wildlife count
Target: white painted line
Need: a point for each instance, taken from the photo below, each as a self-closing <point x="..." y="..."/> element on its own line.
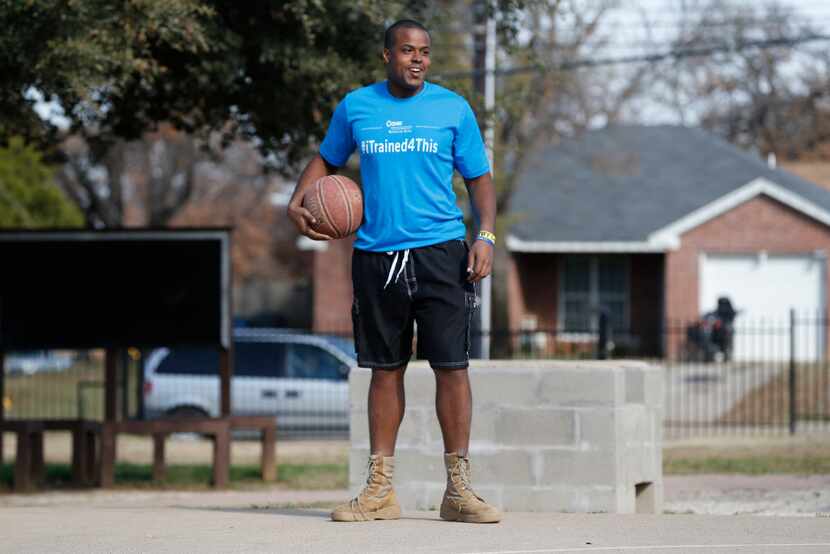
<point x="654" y="547"/>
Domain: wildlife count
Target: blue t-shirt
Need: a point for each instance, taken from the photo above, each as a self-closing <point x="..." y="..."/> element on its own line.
<point x="408" y="150"/>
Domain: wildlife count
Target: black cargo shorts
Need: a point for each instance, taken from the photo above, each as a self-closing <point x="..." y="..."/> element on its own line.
<point x="394" y="291"/>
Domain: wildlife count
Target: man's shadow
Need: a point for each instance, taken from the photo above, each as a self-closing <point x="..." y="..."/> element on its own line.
<point x="317" y="513"/>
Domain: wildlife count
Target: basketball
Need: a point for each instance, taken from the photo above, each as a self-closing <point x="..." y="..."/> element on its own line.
<point x="336" y="202"/>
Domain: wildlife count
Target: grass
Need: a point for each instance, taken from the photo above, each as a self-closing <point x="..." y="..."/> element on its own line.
<point x="793" y="457"/>
<point x="197" y="476"/>
<point x="748" y="466"/>
<point x="56" y="394"/>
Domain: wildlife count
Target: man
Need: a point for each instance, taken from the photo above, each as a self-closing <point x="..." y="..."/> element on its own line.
<point x="410" y="261"/>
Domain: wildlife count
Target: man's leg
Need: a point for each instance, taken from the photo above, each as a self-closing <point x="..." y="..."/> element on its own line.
<point x="387" y="402"/>
<point x="454" y="406"/>
<point x="377" y="499"/>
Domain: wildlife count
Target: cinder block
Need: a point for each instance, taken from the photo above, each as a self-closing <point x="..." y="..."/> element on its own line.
<point x="599" y="428"/>
<point x="509" y="388"/>
<point x="536" y="427"/>
<point x="648" y="498"/>
<point x="560" y="498"/>
<point x="502" y="467"/>
<point x="358" y="427"/>
<point x="644" y="385"/>
<point x="635" y="386"/>
<point x="359" y="388"/>
<point x="417" y="495"/>
<point x="636" y="425"/>
<point x="483" y="427"/>
<point x="580" y="467"/>
<point x="419" y="382"/>
<point x="640" y="464"/>
<point x="564" y="436"/>
<point x="583" y="386"/>
<point x="654" y="387"/>
<point x="358" y="463"/>
<point x="415" y="465"/>
<point x="413" y="432"/>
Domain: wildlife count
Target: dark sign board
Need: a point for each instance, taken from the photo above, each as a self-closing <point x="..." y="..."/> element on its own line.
<point x="98" y="289"/>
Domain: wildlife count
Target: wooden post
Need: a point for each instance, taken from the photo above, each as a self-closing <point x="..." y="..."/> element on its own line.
<point x="159" y="465"/>
<point x="111" y="385"/>
<point x="2" y="398"/>
<point x="139" y="393"/>
<point x="225" y="373"/>
<point x="38" y="467"/>
<point x="90" y="456"/>
<point x="124" y="362"/>
<point x="106" y="469"/>
<point x="269" y="455"/>
<point x="78" y="454"/>
<point x="222" y="457"/>
<point x="226" y="350"/>
<point x="23" y="461"/>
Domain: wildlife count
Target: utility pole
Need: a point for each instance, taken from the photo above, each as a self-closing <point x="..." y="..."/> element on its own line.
<point x="484" y="81"/>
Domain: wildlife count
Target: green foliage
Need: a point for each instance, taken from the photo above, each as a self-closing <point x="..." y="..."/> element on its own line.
<point x="268" y="69"/>
<point x="28" y="196"/>
<point x="197" y="476"/>
<point x="749" y="465"/>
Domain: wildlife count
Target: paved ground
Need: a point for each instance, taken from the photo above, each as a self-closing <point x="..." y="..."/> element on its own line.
<point x="244" y="529"/>
<point x="280" y="521"/>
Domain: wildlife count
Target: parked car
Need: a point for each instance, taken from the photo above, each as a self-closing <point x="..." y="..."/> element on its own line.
<point x="37" y="361"/>
<point x="299" y="378"/>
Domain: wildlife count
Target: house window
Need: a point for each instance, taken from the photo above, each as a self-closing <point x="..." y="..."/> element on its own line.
<point x="588" y="284"/>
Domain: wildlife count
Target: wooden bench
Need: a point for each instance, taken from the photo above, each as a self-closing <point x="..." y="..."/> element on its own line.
<point x="29" y="464"/>
<point x="219" y="429"/>
<point x="267" y="427"/>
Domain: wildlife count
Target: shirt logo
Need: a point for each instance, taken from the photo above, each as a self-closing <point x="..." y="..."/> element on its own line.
<point x="395" y="127"/>
<point x="403" y="145"/>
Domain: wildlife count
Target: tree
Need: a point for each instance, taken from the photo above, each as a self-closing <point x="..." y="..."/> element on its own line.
<point x="28" y="195"/>
<point x="270" y="70"/>
<point x="551" y="96"/>
<point x="762" y="80"/>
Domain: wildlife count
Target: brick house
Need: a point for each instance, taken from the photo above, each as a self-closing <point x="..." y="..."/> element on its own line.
<point x="653" y="224"/>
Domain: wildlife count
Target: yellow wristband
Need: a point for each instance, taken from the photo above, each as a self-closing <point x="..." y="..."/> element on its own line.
<point x="487" y="235"/>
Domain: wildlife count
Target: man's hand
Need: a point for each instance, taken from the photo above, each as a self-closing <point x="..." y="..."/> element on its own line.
<point x="479" y="261"/>
<point x="303" y="219"/>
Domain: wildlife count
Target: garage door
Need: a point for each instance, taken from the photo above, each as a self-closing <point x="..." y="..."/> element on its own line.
<point x="764" y="288"/>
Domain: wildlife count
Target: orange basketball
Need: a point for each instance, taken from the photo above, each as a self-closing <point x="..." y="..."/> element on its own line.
<point x="336" y="202"/>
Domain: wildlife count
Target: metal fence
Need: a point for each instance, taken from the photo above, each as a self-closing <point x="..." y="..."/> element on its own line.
<point x="772" y="377"/>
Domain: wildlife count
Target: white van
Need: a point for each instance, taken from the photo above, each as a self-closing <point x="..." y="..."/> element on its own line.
<point x="301" y="379"/>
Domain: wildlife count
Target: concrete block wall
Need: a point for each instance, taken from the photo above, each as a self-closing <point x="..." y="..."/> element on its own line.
<point x="546" y="436"/>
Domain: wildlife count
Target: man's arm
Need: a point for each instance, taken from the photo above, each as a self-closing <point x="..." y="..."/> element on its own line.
<point x="483" y="194"/>
<point x="302" y="218"/>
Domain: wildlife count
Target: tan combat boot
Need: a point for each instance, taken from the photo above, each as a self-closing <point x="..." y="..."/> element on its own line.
<point x="460" y="502"/>
<point x="377" y="500"/>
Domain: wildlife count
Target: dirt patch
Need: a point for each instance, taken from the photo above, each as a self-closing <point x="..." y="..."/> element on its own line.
<point x="769" y="404"/>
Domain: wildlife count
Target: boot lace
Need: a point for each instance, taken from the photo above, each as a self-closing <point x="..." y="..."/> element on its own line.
<point x="461" y="470"/>
<point x="354" y="503"/>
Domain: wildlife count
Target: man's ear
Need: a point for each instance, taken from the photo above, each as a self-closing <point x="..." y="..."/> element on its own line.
<point x="386" y="54"/>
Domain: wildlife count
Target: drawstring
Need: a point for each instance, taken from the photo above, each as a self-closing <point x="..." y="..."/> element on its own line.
<point x="394" y="264"/>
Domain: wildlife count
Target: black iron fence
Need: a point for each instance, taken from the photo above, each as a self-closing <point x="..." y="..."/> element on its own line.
<point x="756" y="377"/>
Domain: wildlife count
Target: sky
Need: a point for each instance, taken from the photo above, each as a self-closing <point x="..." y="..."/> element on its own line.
<point x="631" y="37"/>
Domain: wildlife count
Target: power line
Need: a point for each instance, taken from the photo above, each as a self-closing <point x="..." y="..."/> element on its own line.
<point x="680" y="53"/>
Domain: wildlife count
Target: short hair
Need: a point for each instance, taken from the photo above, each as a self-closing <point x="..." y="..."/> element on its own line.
<point x="389" y="35"/>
